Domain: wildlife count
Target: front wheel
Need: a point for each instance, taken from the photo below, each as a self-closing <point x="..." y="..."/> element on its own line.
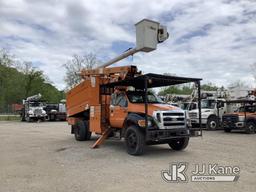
<point x="134" y="140"/>
<point x="250" y="127"/>
<point x="28" y="119"/>
<point x="179" y="143"/>
<point x="212" y="123"/>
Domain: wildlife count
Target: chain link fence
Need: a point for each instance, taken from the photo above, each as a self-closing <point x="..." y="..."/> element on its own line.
<point x="10" y="112"/>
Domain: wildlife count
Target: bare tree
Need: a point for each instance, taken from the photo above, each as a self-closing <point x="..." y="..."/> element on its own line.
<point x="6" y="59"/>
<point x="75" y="65"/>
<point x="238" y="84"/>
<point x="253" y="66"/>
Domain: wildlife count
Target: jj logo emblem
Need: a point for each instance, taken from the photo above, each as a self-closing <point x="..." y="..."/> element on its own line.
<point x="176" y="173"/>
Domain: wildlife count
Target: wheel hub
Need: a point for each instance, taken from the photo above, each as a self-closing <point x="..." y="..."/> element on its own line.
<point x="132" y="140"/>
<point x="251" y="128"/>
<point x="213" y="124"/>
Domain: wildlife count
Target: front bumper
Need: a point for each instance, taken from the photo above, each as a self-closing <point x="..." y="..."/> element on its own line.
<point x="36" y="116"/>
<point x="159" y="135"/>
<point x="233" y="125"/>
<point x="196" y="121"/>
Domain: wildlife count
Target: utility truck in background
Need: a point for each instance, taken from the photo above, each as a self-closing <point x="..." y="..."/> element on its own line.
<point x="33" y="109"/>
<point x="56" y="111"/>
<point x="141" y="118"/>
<point x="213" y="107"/>
<point x="244" y="118"/>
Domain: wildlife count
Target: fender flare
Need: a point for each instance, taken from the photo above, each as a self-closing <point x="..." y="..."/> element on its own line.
<point x="251" y="119"/>
<point x="212" y="115"/>
<point x="132" y="119"/>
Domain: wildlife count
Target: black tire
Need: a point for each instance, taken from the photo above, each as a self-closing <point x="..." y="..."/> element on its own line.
<point x="81" y="131"/>
<point x="179" y="143"/>
<point x="134" y="140"/>
<point x="212" y="123"/>
<point x="52" y="117"/>
<point x="23" y="118"/>
<point x="227" y="130"/>
<point x="28" y="119"/>
<point x="250" y="127"/>
<point x="22" y="115"/>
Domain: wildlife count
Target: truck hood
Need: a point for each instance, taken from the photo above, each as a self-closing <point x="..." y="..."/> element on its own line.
<point x="137" y="107"/>
<point x="202" y="111"/>
<point x="239" y="113"/>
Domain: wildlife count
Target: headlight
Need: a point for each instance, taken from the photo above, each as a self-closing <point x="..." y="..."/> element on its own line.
<point x="158" y="117"/>
<point x="43" y="112"/>
<point x="142" y="123"/>
<point x="240" y="118"/>
<point x="188" y="121"/>
<point x="30" y="112"/>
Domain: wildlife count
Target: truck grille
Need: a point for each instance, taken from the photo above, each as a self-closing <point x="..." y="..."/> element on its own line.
<point x="38" y="112"/>
<point x="230" y="118"/>
<point x="193" y="115"/>
<point x="171" y="120"/>
<point x="173" y="114"/>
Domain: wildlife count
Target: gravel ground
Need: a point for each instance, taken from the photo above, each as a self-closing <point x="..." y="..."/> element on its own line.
<point x="45" y="157"/>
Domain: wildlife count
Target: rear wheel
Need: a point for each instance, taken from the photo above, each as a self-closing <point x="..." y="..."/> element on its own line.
<point x="212" y="123"/>
<point x="81" y="131"/>
<point x="179" y="143"/>
<point x="134" y="140"/>
<point x="250" y="127"/>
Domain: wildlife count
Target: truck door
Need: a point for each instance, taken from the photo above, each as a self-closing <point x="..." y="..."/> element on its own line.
<point x="222" y="108"/>
<point x="117" y="116"/>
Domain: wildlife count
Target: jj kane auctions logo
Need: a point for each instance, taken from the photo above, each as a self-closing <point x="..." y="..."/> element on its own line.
<point x="201" y="173"/>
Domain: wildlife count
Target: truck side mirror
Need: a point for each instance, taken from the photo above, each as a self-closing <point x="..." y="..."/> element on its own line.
<point x="220" y="105"/>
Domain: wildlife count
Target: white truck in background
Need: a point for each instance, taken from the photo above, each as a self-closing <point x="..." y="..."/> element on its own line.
<point x="212" y="111"/>
<point x="33" y="109"/>
<point x="213" y="107"/>
<point x="56" y="111"/>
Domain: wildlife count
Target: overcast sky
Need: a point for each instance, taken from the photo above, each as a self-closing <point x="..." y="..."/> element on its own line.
<point x="214" y="40"/>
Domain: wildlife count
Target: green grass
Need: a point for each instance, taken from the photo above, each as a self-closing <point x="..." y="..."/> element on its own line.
<point x="9" y="118"/>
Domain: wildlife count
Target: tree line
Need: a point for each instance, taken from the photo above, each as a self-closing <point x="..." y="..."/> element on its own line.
<point x="19" y="80"/>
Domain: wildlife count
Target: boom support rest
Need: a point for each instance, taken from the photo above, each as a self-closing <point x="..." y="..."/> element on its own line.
<point x="102" y="138"/>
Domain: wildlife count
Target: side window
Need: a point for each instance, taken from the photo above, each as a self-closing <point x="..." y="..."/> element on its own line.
<point x="124" y="102"/>
<point x="136" y="99"/>
<point x="121" y="101"/>
<point x="220" y="104"/>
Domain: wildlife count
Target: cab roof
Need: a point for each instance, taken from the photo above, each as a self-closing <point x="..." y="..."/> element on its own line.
<point x="155" y="80"/>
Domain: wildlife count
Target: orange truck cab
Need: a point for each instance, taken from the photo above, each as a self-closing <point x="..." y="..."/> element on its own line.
<point x="243" y="119"/>
<point x="141" y="118"/>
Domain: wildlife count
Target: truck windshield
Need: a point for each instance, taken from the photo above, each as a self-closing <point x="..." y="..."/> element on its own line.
<point x="139" y="97"/>
<point x="208" y="104"/>
<point x="249" y="109"/>
<point x="35" y="104"/>
<point x="188" y="106"/>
